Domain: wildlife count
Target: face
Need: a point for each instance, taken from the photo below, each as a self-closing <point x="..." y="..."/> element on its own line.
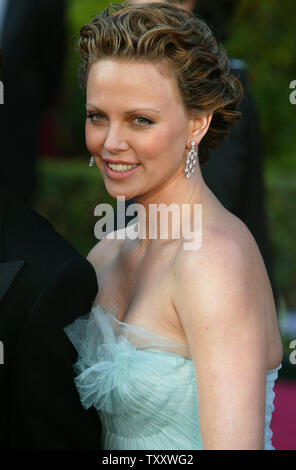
<point x="135" y="116"/>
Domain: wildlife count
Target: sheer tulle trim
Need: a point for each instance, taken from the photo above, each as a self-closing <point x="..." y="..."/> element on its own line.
<point x="108" y="360"/>
<point x="143" y="388"/>
<point x="141" y="337"/>
<point x="272" y="375"/>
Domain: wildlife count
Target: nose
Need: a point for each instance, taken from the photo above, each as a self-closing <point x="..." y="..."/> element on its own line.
<point x="115" y="139"/>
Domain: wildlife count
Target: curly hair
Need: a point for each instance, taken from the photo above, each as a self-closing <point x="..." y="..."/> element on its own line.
<point x="162" y="33"/>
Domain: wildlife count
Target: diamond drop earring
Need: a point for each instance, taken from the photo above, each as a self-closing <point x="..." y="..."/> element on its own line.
<point x="191" y="159"/>
<point x="91" y="161"/>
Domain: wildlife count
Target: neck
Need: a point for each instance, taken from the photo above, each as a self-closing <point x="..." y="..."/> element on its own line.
<point x="170" y="211"/>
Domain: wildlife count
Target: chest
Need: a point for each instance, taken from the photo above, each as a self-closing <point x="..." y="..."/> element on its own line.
<point x="138" y="289"/>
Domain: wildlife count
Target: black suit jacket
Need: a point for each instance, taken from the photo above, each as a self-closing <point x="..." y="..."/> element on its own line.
<point x="33" y="46"/>
<point x="44" y="285"/>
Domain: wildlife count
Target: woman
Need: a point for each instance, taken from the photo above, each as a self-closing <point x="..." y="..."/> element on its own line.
<point x="182" y="346"/>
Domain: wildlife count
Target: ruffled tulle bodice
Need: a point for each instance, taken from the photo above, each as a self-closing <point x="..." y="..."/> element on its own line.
<point x="143" y="385"/>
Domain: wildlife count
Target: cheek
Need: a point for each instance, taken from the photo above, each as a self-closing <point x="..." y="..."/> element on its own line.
<point x="170" y="142"/>
<point x="93" y="138"/>
<point x="149" y="149"/>
<point x="160" y="141"/>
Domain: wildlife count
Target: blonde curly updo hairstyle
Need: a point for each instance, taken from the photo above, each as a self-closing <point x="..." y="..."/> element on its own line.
<point x="166" y="35"/>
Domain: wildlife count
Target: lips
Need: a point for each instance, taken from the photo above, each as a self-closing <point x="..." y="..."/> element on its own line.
<point x="118" y="162"/>
<point x="120" y="175"/>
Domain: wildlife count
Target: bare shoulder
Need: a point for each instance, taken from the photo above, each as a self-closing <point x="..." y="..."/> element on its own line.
<point x="109" y="246"/>
<point x="221" y="244"/>
<point x="227" y="265"/>
<point x="105" y="249"/>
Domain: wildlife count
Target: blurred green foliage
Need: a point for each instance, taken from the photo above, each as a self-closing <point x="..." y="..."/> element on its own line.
<point x="280" y="206"/>
<point x="71" y="113"/>
<point x="67" y="194"/>
<point x="264" y="35"/>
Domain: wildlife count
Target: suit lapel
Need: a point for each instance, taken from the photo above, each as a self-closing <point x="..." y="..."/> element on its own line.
<point x="12" y="20"/>
<point x="6" y="20"/>
<point x="8" y="272"/>
<point x="3" y="209"/>
<point x="8" y="268"/>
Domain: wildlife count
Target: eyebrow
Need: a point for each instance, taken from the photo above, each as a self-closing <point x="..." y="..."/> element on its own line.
<point x="130" y="111"/>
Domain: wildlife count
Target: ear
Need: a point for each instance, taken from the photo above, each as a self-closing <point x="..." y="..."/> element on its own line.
<point x="198" y="127"/>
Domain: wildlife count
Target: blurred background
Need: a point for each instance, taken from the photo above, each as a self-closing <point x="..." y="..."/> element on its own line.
<point x="261" y="37"/>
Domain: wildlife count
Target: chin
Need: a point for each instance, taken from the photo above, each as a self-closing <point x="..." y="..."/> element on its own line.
<point x="115" y="194"/>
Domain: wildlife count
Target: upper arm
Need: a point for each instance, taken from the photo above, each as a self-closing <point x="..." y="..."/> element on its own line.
<point x="216" y="296"/>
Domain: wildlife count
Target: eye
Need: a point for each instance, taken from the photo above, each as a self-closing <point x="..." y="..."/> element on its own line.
<point x="95" y="117"/>
<point x="142" y="121"/>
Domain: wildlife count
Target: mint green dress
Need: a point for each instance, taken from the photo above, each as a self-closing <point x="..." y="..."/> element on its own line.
<point x="142" y="385"/>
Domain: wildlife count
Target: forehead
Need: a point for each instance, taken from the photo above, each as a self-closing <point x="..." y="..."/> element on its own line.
<point x="110" y="79"/>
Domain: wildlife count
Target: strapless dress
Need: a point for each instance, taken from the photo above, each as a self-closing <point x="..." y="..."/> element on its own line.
<point x="142" y="385"/>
